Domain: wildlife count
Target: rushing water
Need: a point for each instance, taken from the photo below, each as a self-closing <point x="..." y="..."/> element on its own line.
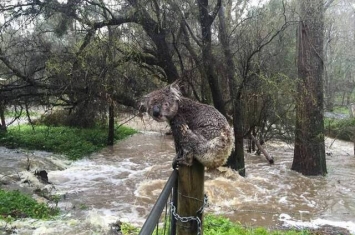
<point x="122" y="183"/>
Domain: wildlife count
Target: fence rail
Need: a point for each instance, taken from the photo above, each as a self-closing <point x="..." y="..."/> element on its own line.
<point x="153" y="218"/>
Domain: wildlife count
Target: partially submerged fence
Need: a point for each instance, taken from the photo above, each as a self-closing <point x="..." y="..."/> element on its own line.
<point x="185" y="188"/>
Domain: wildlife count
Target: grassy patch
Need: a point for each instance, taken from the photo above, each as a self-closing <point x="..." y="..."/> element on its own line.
<point x="14" y="204"/>
<point x="219" y="225"/>
<point x="73" y="142"/>
<point x="128" y="229"/>
<point x="341" y="109"/>
<point x="340" y="128"/>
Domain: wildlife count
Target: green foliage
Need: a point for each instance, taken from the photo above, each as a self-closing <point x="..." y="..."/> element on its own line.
<point x="128" y="229"/>
<point x="14" y="204"/>
<point x="73" y="142"/>
<point x="341" y="109"/>
<point x="83" y="206"/>
<point x="218" y="225"/>
<point x="340" y="128"/>
<point x="269" y="106"/>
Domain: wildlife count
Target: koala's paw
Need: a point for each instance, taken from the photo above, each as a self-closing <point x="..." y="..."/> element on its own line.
<point x="186" y="159"/>
<point x="184" y="128"/>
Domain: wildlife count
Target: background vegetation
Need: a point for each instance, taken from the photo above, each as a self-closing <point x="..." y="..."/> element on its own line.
<point x="91" y="57"/>
<point x="72" y="142"/>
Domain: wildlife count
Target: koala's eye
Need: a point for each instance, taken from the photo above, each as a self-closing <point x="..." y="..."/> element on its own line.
<point x="166" y="104"/>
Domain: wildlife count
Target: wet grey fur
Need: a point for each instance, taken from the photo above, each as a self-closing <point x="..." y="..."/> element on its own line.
<point x="200" y="131"/>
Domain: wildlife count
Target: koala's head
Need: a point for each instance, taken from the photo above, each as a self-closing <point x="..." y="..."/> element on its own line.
<point x="162" y="105"/>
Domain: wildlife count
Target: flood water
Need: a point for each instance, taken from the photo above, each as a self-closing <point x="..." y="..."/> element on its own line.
<point x="122" y="183"/>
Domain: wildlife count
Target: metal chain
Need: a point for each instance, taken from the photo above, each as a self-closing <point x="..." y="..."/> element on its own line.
<point x="186" y="219"/>
<point x="190" y="218"/>
<point x="204" y="205"/>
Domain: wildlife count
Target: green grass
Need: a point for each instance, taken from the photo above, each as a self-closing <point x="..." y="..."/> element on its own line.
<point x="219" y="225"/>
<point x="341" y="109"/>
<point x="14" y="204"/>
<point x="128" y="229"/>
<point x="73" y="142"/>
<point x="11" y="114"/>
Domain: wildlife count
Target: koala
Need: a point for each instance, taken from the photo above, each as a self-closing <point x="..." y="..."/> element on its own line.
<point x="200" y="131"/>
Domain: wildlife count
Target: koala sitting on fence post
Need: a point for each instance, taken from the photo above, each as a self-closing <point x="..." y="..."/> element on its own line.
<point x="200" y="131"/>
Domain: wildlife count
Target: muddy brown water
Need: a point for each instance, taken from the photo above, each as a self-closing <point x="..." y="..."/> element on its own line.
<point x="122" y="183"/>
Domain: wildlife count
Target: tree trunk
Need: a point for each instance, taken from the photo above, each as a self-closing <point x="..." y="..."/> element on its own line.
<point x="309" y="152"/>
<point x="111" y="124"/>
<point x="206" y="21"/>
<point x="158" y="35"/>
<point x="165" y="56"/>
<point x="2" y="117"/>
<point x="236" y="160"/>
<point x="111" y="108"/>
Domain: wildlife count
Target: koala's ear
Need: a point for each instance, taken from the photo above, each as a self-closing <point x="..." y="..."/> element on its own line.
<point x="175" y="89"/>
<point x="143" y="104"/>
<point x="176" y="85"/>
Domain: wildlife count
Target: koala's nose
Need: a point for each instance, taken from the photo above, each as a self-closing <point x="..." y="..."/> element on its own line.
<point x="156" y="111"/>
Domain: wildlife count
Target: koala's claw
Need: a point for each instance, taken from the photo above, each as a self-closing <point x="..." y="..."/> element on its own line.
<point x="175" y="164"/>
<point x="177" y="160"/>
<point x="182" y="160"/>
<point x="184" y="128"/>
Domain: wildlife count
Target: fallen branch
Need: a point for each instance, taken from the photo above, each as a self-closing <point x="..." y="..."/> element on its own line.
<point x="266" y="154"/>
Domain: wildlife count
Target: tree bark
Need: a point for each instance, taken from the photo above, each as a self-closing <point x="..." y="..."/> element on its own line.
<point x="309" y="152"/>
<point x="2" y="117"/>
<point x="206" y="21"/>
<point x="236" y="160"/>
<point x="111" y="125"/>
<point x="266" y="154"/>
<point x="158" y="35"/>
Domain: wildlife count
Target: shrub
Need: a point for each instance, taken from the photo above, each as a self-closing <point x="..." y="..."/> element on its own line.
<point x="14" y="204"/>
<point x="56" y="118"/>
<point x="340" y="128"/>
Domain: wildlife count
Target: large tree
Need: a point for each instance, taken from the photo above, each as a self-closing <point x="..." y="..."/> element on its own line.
<point x="309" y="152"/>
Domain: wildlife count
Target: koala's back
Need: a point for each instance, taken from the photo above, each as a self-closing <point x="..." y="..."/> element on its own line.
<point x="201" y="118"/>
<point x="209" y="136"/>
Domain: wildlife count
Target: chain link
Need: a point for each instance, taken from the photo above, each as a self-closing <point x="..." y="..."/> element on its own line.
<point x="190" y="218"/>
<point x="186" y="219"/>
<point x="204" y="205"/>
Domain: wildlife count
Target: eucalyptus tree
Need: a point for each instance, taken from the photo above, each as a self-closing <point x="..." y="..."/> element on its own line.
<point x="248" y="45"/>
<point x="309" y="151"/>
